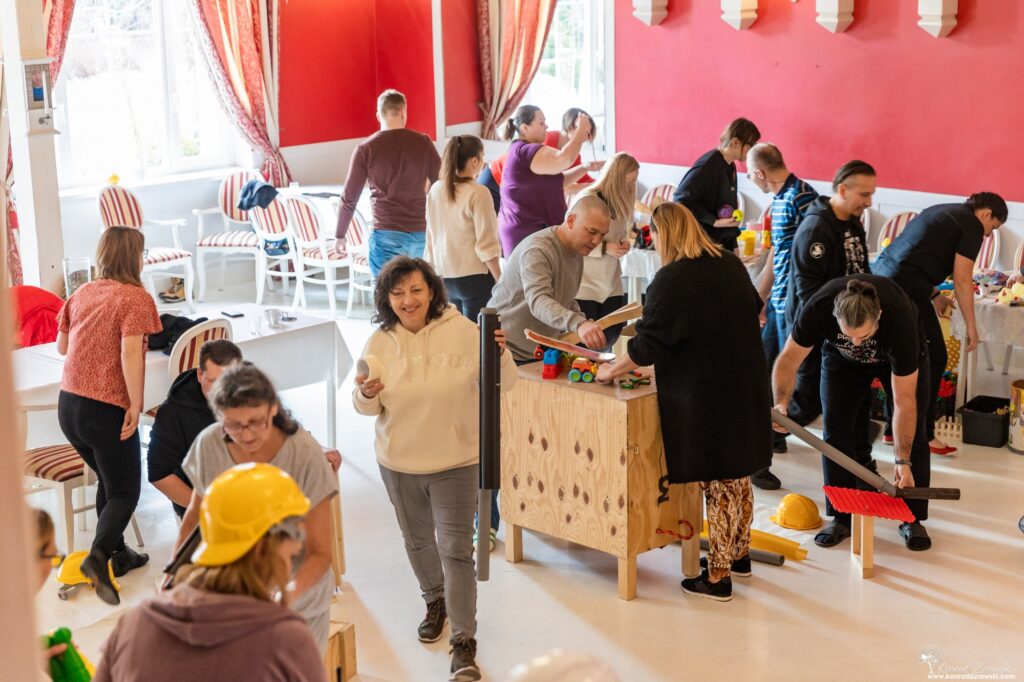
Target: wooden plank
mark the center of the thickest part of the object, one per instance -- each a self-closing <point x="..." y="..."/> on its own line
<point x="340" y="656"/>
<point x="513" y="543"/>
<point x="627" y="578"/>
<point x="337" y="540"/>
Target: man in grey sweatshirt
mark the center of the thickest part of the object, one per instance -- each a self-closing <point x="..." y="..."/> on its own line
<point x="538" y="285"/>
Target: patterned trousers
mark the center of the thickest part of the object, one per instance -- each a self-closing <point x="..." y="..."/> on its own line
<point x="730" y="511"/>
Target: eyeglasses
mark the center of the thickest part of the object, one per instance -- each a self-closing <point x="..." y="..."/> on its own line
<point x="255" y="427"/>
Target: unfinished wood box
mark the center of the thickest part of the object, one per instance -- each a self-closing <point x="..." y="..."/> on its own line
<point x="585" y="463"/>
<point x="340" y="657"/>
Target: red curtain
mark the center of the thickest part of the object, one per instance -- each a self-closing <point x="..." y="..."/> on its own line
<point x="519" y="37"/>
<point x="57" y="17"/>
<point x="240" y="41"/>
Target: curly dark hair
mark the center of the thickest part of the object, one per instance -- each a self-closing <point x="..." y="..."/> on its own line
<point x="396" y="270"/>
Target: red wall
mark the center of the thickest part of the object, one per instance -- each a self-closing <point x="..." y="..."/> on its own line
<point x="405" y="57"/>
<point x="938" y="115"/>
<point x="462" y="86"/>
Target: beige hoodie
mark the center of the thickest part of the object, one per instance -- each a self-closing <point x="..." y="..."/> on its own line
<point x="428" y="415"/>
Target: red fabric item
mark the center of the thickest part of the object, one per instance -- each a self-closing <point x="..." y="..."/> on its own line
<point x="36" y="310"/>
<point x="96" y="317"/>
<point x="498" y="167"/>
<point x="867" y="503"/>
<point x="551" y="140"/>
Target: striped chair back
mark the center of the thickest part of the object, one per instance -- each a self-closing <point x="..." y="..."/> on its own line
<point x="119" y="206"/>
<point x="357" y="233"/>
<point x="305" y="220"/>
<point x="272" y="220"/>
<point x="657" y="195"/>
<point x="986" y="259"/>
<point x="185" y="353"/>
<point x="227" y="196"/>
<point x="1018" y="258"/>
<point x="894" y="225"/>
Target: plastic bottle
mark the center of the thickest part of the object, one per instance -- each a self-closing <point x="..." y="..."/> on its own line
<point x="747" y="239"/>
<point x="68" y="666"/>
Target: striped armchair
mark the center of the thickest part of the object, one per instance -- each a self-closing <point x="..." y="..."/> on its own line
<point x="893" y="226"/>
<point x="119" y="206"/>
<point x="317" y="258"/>
<point x="657" y="195"/>
<point x="236" y="240"/>
<point x="271" y="225"/>
<point x="989" y="252"/>
<point x="360" y="279"/>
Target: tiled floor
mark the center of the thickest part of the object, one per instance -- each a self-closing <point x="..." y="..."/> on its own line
<point x="953" y="609"/>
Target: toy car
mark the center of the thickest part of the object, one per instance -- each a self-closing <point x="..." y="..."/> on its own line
<point x="582" y="370"/>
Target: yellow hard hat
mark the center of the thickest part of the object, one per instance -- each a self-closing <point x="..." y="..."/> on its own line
<point x="240" y="506"/>
<point x="797" y="512"/>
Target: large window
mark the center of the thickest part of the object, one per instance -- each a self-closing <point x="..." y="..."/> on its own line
<point x="134" y="97"/>
<point x="571" y="72"/>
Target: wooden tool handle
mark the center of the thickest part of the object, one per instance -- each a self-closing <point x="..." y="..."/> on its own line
<point x="630" y="311"/>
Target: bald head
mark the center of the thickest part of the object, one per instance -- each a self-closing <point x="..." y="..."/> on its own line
<point x="765" y="167"/>
<point x="588" y="203"/>
<point x="586" y="224"/>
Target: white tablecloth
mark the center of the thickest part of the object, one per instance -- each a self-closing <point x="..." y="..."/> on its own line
<point x="996" y="323"/>
<point x="307" y="351"/>
<point x="640" y="265"/>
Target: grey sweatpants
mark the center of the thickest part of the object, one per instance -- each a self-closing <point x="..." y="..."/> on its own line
<point x="435" y="513"/>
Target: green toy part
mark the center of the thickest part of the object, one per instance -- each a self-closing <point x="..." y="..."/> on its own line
<point x="69" y="666"/>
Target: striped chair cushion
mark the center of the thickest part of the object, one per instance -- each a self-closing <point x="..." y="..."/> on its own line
<point x="313" y="253"/>
<point x="190" y="355"/>
<point x="894" y="225"/>
<point x="272" y="219"/>
<point x="230" y="188"/>
<point x="356" y="235"/>
<point x="163" y="254"/>
<point x="118" y="206"/>
<point x="989" y="251"/>
<point x="360" y="258"/>
<point x="304" y="220"/>
<point x="234" y="239"/>
<point x="58" y="463"/>
<point x="657" y="195"/>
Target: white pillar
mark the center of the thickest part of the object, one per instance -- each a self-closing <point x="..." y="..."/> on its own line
<point x="740" y="14"/>
<point x="835" y="15"/>
<point x="437" y="36"/>
<point x="35" y="160"/>
<point x="938" y="17"/>
<point x="651" y="12"/>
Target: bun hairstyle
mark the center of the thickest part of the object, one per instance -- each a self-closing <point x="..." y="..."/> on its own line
<point x="459" y="151"/>
<point x="991" y="201"/>
<point x="858" y="304"/>
<point x="524" y="116"/>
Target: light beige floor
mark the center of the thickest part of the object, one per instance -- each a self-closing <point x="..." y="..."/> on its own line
<point x="960" y="606"/>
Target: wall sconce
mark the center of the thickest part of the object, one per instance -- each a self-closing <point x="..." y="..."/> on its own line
<point x="740" y="14"/>
<point x="835" y="15"/>
<point x="651" y="12"/>
<point x="938" y="17"/>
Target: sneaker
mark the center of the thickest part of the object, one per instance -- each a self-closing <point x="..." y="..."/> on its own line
<point x="493" y="540"/>
<point x="433" y="623"/>
<point x="702" y="586"/>
<point x="779" y="443"/>
<point x="740" y="567"/>
<point x="765" y="480"/>
<point x="463" y="664"/>
<point x="96" y="570"/>
<point x="127" y="559"/>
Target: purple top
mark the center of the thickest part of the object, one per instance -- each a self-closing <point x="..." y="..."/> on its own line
<point x="529" y="201"/>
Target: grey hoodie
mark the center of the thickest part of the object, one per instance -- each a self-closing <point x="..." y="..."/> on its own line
<point x="190" y="634"/>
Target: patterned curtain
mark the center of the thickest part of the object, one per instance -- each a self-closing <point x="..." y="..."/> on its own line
<point x="240" y="42"/>
<point x="516" y="42"/>
<point x="57" y="17"/>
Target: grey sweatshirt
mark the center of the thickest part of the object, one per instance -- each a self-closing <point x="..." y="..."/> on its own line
<point x="537" y="291"/>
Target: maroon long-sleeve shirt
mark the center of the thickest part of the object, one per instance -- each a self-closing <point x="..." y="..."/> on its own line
<point x="399" y="166"/>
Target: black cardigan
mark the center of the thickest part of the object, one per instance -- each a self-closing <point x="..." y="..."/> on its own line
<point x="708" y="186"/>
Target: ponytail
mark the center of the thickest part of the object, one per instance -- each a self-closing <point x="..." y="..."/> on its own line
<point x="459" y="151"/>
<point x="509" y="131"/>
<point x="858" y="304"/>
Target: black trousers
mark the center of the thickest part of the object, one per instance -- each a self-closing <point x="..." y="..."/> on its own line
<point x="469" y="294"/>
<point x="94" y="429"/>
<point x="937" y="357"/>
<point x="595" y="310"/>
<point x="846" y="399"/>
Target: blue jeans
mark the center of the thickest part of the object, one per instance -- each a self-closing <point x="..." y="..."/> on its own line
<point x="386" y="244"/>
<point x="805" y="403"/>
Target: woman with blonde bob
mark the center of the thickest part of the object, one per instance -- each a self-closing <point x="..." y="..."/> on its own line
<point x="228" y="617"/>
<point x="700" y="330"/>
<point x="103" y="330"/>
<point x="601" y="287"/>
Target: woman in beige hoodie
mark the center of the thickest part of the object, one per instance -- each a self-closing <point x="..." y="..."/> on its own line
<point x="422" y="386"/>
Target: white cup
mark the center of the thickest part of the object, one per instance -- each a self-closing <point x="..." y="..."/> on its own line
<point x="369" y="367"/>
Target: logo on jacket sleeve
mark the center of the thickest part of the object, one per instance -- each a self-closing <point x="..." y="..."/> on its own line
<point x="817" y="250"/>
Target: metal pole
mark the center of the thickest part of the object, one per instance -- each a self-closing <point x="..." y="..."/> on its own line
<point x="490" y="436"/>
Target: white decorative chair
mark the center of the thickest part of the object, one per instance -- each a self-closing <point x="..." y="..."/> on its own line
<point x="360" y="279"/>
<point x="120" y="207"/>
<point x="989" y="252"/>
<point x="236" y="240"/>
<point x="657" y="195"/>
<point x="894" y="226"/>
<point x="315" y="253"/>
<point x="271" y="225"/>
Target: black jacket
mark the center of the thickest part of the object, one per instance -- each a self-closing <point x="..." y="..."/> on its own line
<point x="706" y="188"/>
<point x="705" y="345"/>
<point x="178" y="421"/>
<point x="824" y="248"/>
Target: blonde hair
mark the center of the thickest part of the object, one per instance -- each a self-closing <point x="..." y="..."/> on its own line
<point x="261" y="573"/>
<point x="680" y="235"/>
<point x="612" y="186"/>
<point x="119" y="255"/>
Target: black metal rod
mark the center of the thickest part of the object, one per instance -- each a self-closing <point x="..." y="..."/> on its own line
<point x="490" y="435"/>
<point x="182" y="557"/>
<point x="759" y="555"/>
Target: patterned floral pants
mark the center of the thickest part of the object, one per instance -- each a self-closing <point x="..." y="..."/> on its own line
<point x="730" y="511"/>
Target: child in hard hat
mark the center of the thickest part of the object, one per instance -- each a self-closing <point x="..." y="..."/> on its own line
<point x="252" y="426"/>
<point x="46" y="556"/>
<point x="227" y="618"/>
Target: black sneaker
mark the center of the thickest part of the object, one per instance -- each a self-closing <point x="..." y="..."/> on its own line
<point x="779" y="443"/>
<point x="433" y="623"/>
<point x="765" y="480"/>
<point x="95" y="569"/>
<point x="702" y="586"/>
<point x="740" y="567"/>
<point x="463" y="661"/>
<point x="127" y="559"/>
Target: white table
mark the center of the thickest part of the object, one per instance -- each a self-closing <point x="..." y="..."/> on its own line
<point x="996" y="324"/>
<point x="639" y="265"/>
<point x="307" y="351"/>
